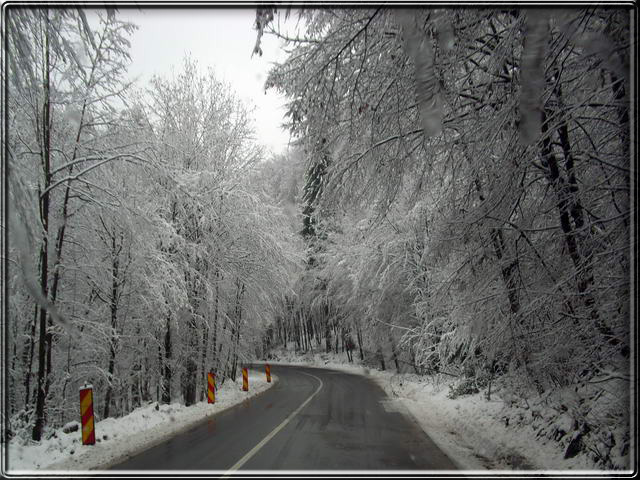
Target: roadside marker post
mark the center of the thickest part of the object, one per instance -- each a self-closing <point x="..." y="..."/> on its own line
<point x="245" y="379"/>
<point x="267" y="369"/>
<point x="211" y="393"/>
<point x="86" y="414"/>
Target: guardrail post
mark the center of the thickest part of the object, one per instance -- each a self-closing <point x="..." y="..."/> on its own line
<point x="267" y="369"/>
<point x="211" y="391"/>
<point x="245" y="379"/>
<point x="86" y="414"/>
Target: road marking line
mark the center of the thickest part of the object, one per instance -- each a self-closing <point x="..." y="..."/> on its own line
<point x="273" y="432"/>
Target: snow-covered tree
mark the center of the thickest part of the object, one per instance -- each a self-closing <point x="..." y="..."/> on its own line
<point x="484" y="153"/>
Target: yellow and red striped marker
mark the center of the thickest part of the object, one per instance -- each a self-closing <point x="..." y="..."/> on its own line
<point x="267" y="369"/>
<point x="211" y="396"/>
<point x="245" y="379"/>
<point x="86" y="414"/>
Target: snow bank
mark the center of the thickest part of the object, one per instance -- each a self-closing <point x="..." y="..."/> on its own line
<point x="119" y="438"/>
<point x="317" y="359"/>
<point x="472" y="430"/>
<point x="477" y="434"/>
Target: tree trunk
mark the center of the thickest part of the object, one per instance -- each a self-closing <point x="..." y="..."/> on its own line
<point x="146" y="374"/>
<point x="309" y="328"/>
<point x="303" y="330"/>
<point x="166" y="381"/>
<point x="239" y="329"/>
<point x="28" y="358"/>
<point x="359" y="337"/>
<point x="584" y="276"/>
<point x="159" y="383"/>
<point x="238" y="325"/>
<point x="203" y="360"/>
<point x="393" y="352"/>
<point x="235" y="339"/>
<point x="327" y="329"/>
<point x="508" y="269"/>
<point x="44" y="260"/>
<point x="189" y="383"/>
<point x="214" y="359"/>
<point x="115" y="251"/>
<point x="55" y="283"/>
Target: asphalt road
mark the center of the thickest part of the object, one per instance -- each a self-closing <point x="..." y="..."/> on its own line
<point x="312" y="419"/>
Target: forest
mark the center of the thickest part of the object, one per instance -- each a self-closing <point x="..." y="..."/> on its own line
<point x="456" y="201"/>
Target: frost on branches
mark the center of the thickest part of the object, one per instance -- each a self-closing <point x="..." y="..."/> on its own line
<point x="140" y="257"/>
<point x="473" y="219"/>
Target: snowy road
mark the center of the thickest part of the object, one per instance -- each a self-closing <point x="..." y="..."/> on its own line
<point x="312" y="419"/>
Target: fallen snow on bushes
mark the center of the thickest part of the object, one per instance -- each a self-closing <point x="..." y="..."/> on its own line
<point x="119" y="438"/>
<point x="476" y="433"/>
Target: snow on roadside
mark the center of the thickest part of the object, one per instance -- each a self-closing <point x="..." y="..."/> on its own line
<point x="120" y="438"/>
<point x="469" y="429"/>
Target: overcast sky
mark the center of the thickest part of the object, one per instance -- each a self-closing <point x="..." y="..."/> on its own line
<point x="220" y="38"/>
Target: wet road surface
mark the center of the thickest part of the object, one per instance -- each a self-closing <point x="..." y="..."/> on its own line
<point x="311" y="419"/>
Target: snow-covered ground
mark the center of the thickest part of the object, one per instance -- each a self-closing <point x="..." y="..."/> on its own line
<point x="470" y="429"/>
<point x="119" y="438"/>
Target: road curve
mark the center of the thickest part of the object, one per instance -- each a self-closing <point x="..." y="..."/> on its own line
<point x="311" y="419"/>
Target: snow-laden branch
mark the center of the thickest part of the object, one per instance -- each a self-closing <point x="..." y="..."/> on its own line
<point x="122" y="156"/>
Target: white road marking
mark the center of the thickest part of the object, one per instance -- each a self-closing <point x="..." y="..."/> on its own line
<point x="273" y="432"/>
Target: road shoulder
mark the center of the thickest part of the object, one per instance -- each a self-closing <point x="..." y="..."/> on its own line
<point x="125" y="437"/>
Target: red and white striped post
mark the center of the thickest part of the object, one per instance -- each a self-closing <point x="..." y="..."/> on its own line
<point x="267" y="369"/>
<point x="86" y="414"/>
<point x="211" y="381"/>
<point x="245" y="379"/>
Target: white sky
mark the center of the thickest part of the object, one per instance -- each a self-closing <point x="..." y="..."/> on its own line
<point x="216" y="37"/>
